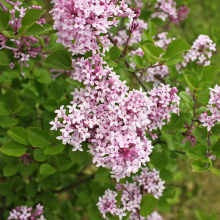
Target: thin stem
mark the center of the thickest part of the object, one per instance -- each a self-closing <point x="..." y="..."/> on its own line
<point x="74" y="184"/>
<point x="179" y="152"/>
<point x="128" y="65"/>
<point x="124" y="188"/>
<point x="126" y="45"/>
<point x="209" y="134"/>
<point x="194" y="99"/>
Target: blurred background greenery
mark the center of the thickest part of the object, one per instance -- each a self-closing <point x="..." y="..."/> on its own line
<point x="198" y="194"/>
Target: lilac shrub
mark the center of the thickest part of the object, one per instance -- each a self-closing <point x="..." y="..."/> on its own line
<point x="90" y="19"/>
<point x="107" y="101"/>
<point x="201" y="52"/>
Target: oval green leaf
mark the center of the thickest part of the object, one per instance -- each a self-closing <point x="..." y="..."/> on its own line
<point x="59" y="59"/>
<point x="47" y="169"/>
<point x="13" y="148"/>
<point x="148" y="203"/>
<point x="177" y="46"/>
<point x="19" y="134"/>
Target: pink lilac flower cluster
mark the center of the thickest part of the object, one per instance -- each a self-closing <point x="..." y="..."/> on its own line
<point x="147" y="182"/>
<point x="80" y="23"/>
<point x="167" y="9"/>
<point x="213" y="107"/>
<point x="164" y="9"/>
<point x="112" y="118"/>
<point x="25" y="213"/>
<point x="201" y="52"/>
<point x="182" y="14"/>
<point x="122" y="35"/>
<point x="26" y="158"/>
<point x="25" y="46"/>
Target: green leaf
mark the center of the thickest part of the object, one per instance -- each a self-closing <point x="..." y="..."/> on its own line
<point x="163" y="205"/>
<point x="19" y="134"/>
<point x="35" y="29"/>
<point x="65" y="165"/>
<point x="17" y="108"/>
<point x="53" y="39"/>
<point x="3" y="21"/>
<point x="31" y="189"/>
<point x="192" y="78"/>
<point x="198" y="151"/>
<point x="146" y="53"/>
<point x="177" y="46"/>
<point x="114" y="53"/>
<point x="13" y="148"/>
<point x="146" y="42"/>
<point x="31" y="16"/>
<point x="209" y="73"/>
<point x="47" y="169"/>
<point x="53" y="150"/>
<point x="169" y="193"/>
<point x="10" y="170"/>
<point x="8" y="121"/>
<point x="148" y="37"/>
<point x="84" y="197"/>
<point x="186" y="97"/>
<point x="54" y="92"/>
<point x="9" y="98"/>
<point x="111" y="217"/>
<point x="103" y="174"/>
<point x="97" y="192"/>
<point x="166" y="175"/>
<point x="39" y="155"/>
<point x="43" y="76"/>
<point x="138" y="61"/>
<point x="118" y="198"/>
<point x="26" y="170"/>
<point x="153" y="51"/>
<point x="148" y="202"/>
<point x="159" y="160"/>
<point x="3" y="109"/>
<point x="216" y="148"/>
<point x="79" y="156"/>
<point x="9" y="34"/>
<point x="3" y="59"/>
<point x="200" y="134"/>
<point x="110" y="62"/>
<point x="175" y="59"/>
<point x="38" y="137"/>
<point x="199" y="166"/>
<point x="216" y="34"/>
<point x="152" y="28"/>
<point x="50" y="104"/>
<point x="216" y="129"/>
<point x="59" y="59"/>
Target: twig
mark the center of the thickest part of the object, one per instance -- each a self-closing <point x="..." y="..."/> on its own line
<point x="194" y="100"/>
<point x="128" y="65"/>
<point x="74" y="184"/>
<point x="209" y="134"/>
<point x="179" y="152"/>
